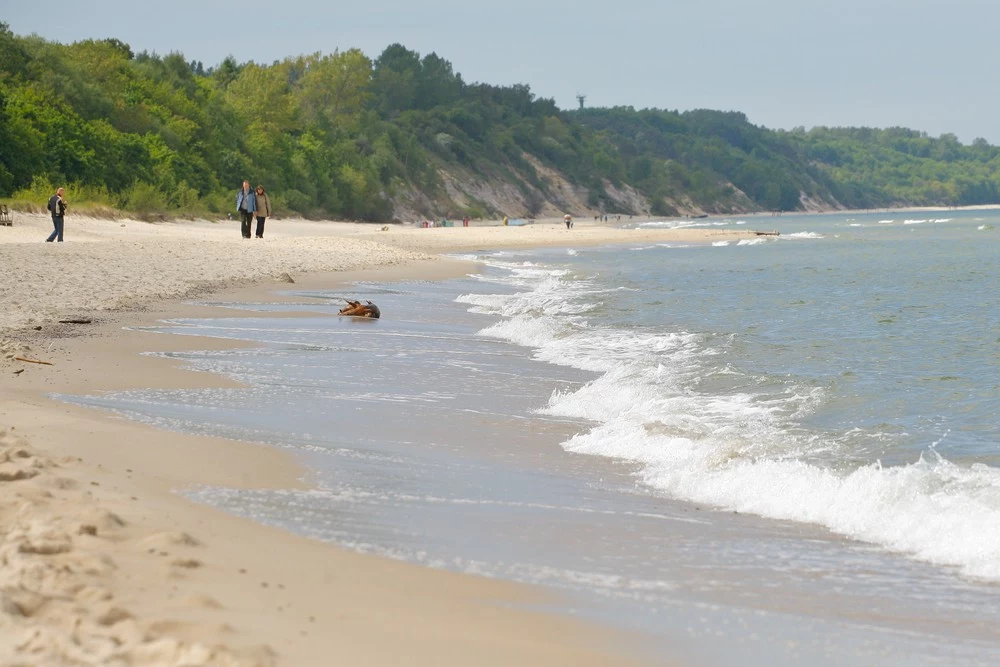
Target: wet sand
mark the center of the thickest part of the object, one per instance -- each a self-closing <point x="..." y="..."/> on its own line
<point x="107" y="563"/>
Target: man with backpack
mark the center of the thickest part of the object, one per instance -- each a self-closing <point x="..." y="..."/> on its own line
<point x="246" y="204"/>
<point x="57" y="207"/>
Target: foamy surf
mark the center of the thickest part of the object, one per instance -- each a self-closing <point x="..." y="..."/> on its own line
<point x="802" y="235"/>
<point x="739" y="449"/>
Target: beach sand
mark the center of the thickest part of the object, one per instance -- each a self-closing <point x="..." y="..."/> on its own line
<point x="106" y="564"/>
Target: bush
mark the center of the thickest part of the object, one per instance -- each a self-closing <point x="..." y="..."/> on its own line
<point x="144" y="199"/>
<point x="88" y="199"/>
<point x="661" y="207"/>
<point x="185" y="198"/>
<point x="38" y="192"/>
<point x="292" y="200"/>
<point x="476" y="212"/>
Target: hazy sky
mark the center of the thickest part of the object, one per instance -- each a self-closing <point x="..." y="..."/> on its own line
<point x="929" y="65"/>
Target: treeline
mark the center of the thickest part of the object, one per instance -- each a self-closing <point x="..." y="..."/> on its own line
<point x="707" y="155"/>
<point x="341" y="135"/>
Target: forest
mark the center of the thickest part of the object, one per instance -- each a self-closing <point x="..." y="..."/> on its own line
<point x="343" y="136"/>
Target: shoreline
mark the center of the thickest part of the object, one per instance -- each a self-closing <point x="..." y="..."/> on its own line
<point x="156" y="578"/>
<point x="114" y="215"/>
<point x="864" y="211"/>
<point x="246" y="592"/>
<point x="107" y="559"/>
<point x="114" y="266"/>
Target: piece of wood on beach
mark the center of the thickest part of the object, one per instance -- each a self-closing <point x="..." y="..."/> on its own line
<point x="77" y="320"/>
<point x="33" y="361"/>
<point x="774" y="233"/>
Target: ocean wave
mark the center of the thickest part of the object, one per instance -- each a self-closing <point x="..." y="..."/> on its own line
<point x="737" y="448"/>
<point x="802" y="235"/>
<point x="920" y="221"/>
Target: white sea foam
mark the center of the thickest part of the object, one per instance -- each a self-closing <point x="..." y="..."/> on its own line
<point x="720" y="244"/>
<point x="802" y="235"/>
<point x="737" y="449"/>
<point x="469" y="257"/>
<point x="659" y="224"/>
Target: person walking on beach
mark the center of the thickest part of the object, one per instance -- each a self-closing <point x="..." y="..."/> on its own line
<point x="57" y="206"/>
<point x="263" y="203"/>
<point x="568" y="219"/>
<point x="246" y="205"/>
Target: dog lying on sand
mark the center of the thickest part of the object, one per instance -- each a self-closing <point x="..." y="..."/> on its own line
<point x="357" y="309"/>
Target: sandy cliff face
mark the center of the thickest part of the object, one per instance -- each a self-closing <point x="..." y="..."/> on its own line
<point x="508" y="192"/>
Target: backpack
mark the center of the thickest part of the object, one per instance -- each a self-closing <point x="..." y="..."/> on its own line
<point x="51" y="204"/>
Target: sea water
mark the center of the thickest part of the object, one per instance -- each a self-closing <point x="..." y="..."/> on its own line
<point x="777" y="449"/>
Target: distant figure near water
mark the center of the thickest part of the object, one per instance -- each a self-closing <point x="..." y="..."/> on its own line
<point x="57" y="206"/>
<point x="246" y="206"/>
<point x="263" y="205"/>
<point x="568" y="219"/>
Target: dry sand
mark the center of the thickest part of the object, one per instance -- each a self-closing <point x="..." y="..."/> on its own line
<point x="103" y="563"/>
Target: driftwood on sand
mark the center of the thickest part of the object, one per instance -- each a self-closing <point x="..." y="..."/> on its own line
<point x="33" y="361"/>
<point x="358" y="309"/>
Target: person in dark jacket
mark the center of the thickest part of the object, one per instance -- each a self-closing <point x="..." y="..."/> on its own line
<point x="246" y="206"/>
<point x="263" y="209"/>
<point x="57" y="206"/>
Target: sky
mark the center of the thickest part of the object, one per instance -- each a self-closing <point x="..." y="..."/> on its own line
<point x="927" y="65"/>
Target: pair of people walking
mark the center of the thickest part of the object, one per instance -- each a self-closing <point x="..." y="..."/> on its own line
<point x="251" y="204"/>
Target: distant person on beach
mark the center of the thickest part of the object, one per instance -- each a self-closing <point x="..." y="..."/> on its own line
<point x="568" y="219"/>
<point x="246" y="206"/>
<point x="57" y="207"/>
<point x="263" y="209"/>
<point x="505" y="221"/>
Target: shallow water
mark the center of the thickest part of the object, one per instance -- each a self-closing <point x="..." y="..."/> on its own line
<point x="795" y="437"/>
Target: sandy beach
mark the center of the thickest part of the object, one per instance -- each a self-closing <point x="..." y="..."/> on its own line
<point x="106" y="564"/>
